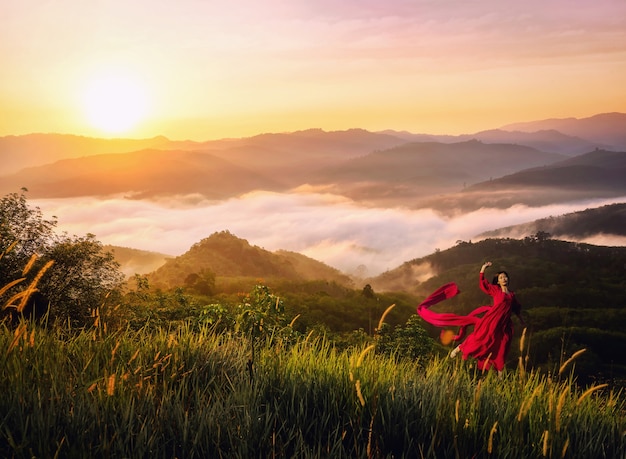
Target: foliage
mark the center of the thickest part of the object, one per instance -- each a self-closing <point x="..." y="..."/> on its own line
<point x="143" y="306"/>
<point x="202" y="283"/>
<point x="260" y="313"/>
<point x="260" y="316"/>
<point x="82" y="277"/>
<point x="23" y="233"/>
<point x="410" y="341"/>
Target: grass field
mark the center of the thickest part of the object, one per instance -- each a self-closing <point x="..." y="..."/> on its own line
<point x="185" y="393"/>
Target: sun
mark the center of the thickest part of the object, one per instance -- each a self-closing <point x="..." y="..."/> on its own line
<point x="115" y="104"/>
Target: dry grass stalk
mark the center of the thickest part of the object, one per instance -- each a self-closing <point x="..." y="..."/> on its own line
<point x="29" y="265"/>
<point x="114" y="350"/>
<point x="362" y="356"/>
<point x="369" y="438"/>
<point x="525" y="406"/>
<point x="4" y="289"/>
<point x="589" y="391"/>
<point x="8" y="249"/>
<point x="522" y="340"/>
<point x="294" y="320"/>
<point x="111" y="385"/>
<point x="486" y="364"/>
<point x="477" y="392"/>
<point x="546" y="436"/>
<point x="522" y="368"/>
<point x="17" y="334"/>
<point x="565" y="446"/>
<point x="382" y="318"/>
<point x="359" y="393"/>
<point x="559" y="408"/>
<point x="18" y="296"/>
<point x="491" y="434"/>
<point x="32" y="288"/>
<point x="571" y="359"/>
<point x="134" y="356"/>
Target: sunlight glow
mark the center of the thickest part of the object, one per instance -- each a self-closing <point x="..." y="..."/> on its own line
<point x="115" y="103"/>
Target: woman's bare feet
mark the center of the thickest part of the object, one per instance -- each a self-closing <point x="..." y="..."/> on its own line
<point x="455" y="351"/>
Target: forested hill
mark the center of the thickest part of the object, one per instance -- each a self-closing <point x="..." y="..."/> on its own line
<point x="573" y="296"/>
<point x="224" y="255"/>
<point x="549" y="272"/>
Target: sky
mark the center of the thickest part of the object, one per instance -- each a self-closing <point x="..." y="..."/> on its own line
<point x="210" y="69"/>
<point x="206" y="69"/>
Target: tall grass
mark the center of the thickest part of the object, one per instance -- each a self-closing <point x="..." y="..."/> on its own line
<point x="183" y="393"/>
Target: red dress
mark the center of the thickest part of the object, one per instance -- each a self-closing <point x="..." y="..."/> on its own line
<point x="490" y="340"/>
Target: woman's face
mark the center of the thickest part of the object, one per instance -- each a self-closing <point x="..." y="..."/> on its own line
<point x="503" y="280"/>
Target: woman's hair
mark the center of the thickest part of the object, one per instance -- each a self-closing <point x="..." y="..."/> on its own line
<point x="494" y="281"/>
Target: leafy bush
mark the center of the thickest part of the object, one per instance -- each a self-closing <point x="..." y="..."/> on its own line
<point x="79" y="275"/>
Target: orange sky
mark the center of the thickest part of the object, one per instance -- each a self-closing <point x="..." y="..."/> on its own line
<point x="203" y="70"/>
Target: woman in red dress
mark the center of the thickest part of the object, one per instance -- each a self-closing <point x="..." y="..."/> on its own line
<point x="490" y="340"/>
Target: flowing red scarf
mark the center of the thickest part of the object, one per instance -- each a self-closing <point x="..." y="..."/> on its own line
<point x="448" y="319"/>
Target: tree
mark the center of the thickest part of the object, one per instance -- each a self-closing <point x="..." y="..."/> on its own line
<point x="202" y="283"/>
<point x="260" y="315"/>
<point x="82" y="273"/>
<point x="368" y="292"/>
<point x="81" y="278"/>
<point x="23" y="233"/>
<point x="409" y="341"/>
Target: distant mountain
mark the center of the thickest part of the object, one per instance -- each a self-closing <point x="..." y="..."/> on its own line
<point x="415" y="170"/>
<point x="79" y="166"/>
<point x="228" y="256"/>
<point x="551" y="141"/>
<point x="390" y="168"/>
<point x="606" y="221"/>
<point x="295" y="157"/>
<point x="601" y="171"/>
<point x="594" y="175"/>
<point x="141" y="174"/>
<point x="18" y="152"/>
<point x="605" y="129"/>
<point x="382" y="176"/>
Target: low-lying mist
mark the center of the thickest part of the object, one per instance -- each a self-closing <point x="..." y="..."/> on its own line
<point x="326" y="227"/>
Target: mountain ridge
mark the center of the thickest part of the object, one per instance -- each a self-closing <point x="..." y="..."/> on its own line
<point x="605" y="130"/>
<point x="228" y="256"/>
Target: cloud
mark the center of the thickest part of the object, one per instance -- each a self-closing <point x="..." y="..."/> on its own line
<point x="325" y="227"/>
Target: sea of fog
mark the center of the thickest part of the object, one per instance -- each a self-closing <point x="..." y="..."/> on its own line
<point x="328" y="228"/>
